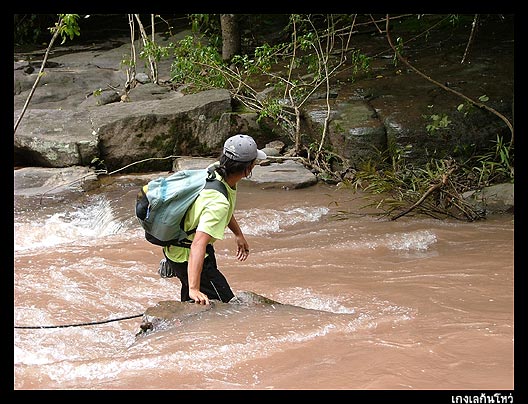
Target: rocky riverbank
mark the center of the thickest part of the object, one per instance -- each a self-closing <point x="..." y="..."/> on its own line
<point x="77" y="113"/>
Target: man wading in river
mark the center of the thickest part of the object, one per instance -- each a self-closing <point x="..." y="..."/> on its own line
<point x="210" y="214"/>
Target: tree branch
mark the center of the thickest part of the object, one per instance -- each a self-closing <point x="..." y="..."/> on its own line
<point x="41" y="72"/>
<point x="470" y="40"/>
<point x="431" y="189"/>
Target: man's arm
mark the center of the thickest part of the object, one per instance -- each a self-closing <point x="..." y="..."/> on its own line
<point x="194" y="268"/>
<point x="242" y="244"/>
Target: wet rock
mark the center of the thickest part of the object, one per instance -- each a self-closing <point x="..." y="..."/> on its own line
<point x="497" y="198"/>
<point x="288" y="174"/>
<point x="30" y="181"/>
<point x="282" y="174"/>
<point x="171" y="313"/>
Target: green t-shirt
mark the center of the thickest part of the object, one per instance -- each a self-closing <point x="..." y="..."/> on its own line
<point x="210" y="213"/>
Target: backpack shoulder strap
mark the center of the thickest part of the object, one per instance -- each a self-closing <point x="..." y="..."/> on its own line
<point x="213" y="183"/>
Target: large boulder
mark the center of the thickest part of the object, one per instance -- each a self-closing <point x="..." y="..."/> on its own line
<point x="79" y="112"/>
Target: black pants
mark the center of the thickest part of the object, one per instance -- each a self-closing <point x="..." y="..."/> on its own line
<point x="212" y="282"/>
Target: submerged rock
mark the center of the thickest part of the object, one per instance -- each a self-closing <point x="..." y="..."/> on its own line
<point x="171" y="312"/>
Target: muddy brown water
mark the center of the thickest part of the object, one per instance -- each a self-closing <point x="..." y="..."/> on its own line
<point x="364" y="303"/>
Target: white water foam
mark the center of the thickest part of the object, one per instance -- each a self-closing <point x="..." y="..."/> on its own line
<point x="94" y="220"/>
<point x="268" y="221"/>
<point x="97" y="219"/>
<point x="420" y="240"/>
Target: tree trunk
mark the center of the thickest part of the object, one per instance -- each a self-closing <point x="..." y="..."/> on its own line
<point x="230" y="36"/>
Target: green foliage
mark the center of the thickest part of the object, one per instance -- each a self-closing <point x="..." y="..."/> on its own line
<point x="494" y="166"/>
<point x="293" y="69"/>
<point x="198" y="64"/>
<point x="398" y="154"/>
<point x="437" y="122"/>
<point x="99" y="166"/>
<point x="454" y="19"/>
<point x="467" y="107"/>
<point x="126" y="62"/>
<point x="434" y="189"/>
<point x="360" y="62"/>
<point x="207" y="25"/>
<point x="154" y="51"/>
<point x="266" y="56"/>
<point x="271" y="108"/>
<point x="67" y="26"/>
<point x="399" y="50"/>
<point x="32" y="28"/>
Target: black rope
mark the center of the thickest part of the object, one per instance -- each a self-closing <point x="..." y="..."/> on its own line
<point x="77" y="325"/>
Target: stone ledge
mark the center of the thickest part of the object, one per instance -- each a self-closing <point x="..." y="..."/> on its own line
<point x="287" y="174"/>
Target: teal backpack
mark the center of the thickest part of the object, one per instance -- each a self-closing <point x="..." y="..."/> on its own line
<point x="161" y="205"/>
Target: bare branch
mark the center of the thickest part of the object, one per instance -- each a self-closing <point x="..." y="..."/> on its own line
<point x="470" y="40"/>
<point x="144" y="37"/>
<point x="39" y="75"/>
